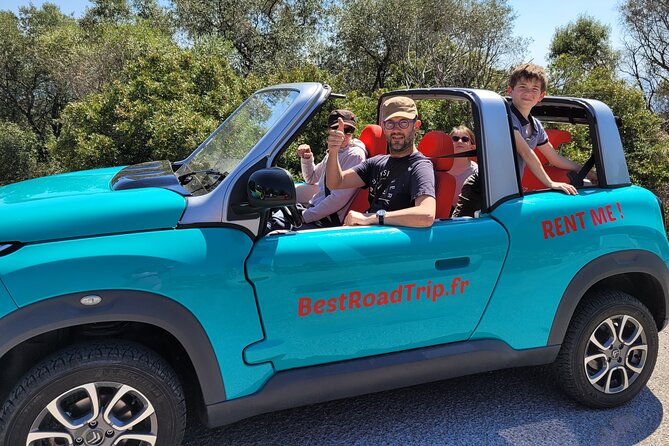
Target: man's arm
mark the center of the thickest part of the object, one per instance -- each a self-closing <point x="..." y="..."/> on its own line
<point x="557" y="160"/>
<point x="537" y="169"/>
<point x="421" y="215"/>
<point x="307" y="164"/>
<point x="336" y="178"/>
<point x="337" y="198"/>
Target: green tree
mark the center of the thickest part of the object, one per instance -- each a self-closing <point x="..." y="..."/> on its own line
<point x="647" y="50"/>
<point x="18" y="153"/>
<point x="577" y="49"/>
<point x="162" y="107"/>
<point x="586" y="40"/>
<point x="646" y="145"/>
<point x="28" y="95"/>
<point x="263" y="34"/>
<point x="120" y="12"/>
<point x="82" y="60"/>
<point x="420" y="43"/>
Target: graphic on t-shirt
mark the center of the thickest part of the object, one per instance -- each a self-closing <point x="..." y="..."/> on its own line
<point x="382" y="195"/>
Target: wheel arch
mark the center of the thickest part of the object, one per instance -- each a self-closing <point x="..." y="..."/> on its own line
<point x="639" y="273"/>
<point x="154" y="313"/>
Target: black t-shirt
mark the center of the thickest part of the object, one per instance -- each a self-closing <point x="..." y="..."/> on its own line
<point x="411" y="177"/>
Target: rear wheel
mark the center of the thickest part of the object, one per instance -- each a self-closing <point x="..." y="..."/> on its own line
<point x="97" y="394"/>
<point x="609" y="351"/>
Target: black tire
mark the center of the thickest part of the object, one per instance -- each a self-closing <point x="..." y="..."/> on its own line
<point x="601" y="382"/>
<point x="126" y="381"/>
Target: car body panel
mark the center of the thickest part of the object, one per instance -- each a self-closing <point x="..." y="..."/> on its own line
<point x="82" y="204"/>
<point x="351" y="269"/>
<point x="539" y="266"/>
<point x="66" y="184"/>
<point x="202" y="269"/>
<point x="7" y="304"/>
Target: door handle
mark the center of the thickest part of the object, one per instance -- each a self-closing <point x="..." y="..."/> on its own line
<point x="455" y="263"/>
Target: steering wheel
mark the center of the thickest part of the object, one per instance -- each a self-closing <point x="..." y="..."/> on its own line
<point x="293" y="215"/>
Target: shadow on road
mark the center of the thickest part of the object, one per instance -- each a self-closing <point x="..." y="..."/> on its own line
<point x="509" y="407"/>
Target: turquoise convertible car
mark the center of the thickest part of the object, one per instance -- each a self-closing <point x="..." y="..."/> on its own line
<point x="128" y="294"/>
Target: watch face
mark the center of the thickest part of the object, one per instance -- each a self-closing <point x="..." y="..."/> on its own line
<point x="380" y="214"/>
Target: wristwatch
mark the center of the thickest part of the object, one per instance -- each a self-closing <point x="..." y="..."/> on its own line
<point x="380" y="214"/>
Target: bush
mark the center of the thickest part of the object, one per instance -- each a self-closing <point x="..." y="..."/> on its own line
<point x="18" y="153"/>
<point x="163" y="106"/>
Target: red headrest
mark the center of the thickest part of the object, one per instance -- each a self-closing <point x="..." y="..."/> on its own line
<point x="435" y="144"/>
<point x="558" y="137"/>
<point x="373" y="138"/>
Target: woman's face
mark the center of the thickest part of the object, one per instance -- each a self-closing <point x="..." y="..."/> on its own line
<point x="461" y="141"/>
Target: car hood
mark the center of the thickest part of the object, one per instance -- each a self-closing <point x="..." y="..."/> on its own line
<point x="81" y="204"/>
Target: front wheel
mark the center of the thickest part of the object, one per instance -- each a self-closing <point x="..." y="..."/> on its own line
<point x="609" y="351"/>
<point x="96" y="394"/>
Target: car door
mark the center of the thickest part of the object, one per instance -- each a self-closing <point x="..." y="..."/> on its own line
<point x="335" y="294"/>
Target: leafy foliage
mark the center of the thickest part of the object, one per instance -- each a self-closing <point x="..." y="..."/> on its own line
<point x="646" y="145"/>
<point x="163" y="106"/>
<point x="18" y="153"/>
<point x="28" y="95"/>
<point x="647" y="50"/>
<point x="132" y="80"/>
<point x="264" y="34"/>
<point x="587" y="41"/>
<point x="420" y="43"/>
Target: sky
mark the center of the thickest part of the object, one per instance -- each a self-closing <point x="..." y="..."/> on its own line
<point x="536" y="19"/>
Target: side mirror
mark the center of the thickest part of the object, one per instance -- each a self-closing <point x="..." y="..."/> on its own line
<point x="272" y="187"/>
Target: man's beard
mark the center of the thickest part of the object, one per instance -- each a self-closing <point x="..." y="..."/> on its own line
<point x="399" y="147"/>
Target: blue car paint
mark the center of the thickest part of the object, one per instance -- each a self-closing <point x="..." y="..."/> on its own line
<point x="7" y="304"/>
<point x="203" y="269"/>
<point x="65" y="184"/>
<point x="82" y="204"/>
<point x="539" y="267"/>
<point x="324" y="264"/>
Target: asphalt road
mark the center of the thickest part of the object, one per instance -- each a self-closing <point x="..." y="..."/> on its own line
<point x="509" y="407"/>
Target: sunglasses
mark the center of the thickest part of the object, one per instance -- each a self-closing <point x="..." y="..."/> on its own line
<point x="403" y="124"/>
<point x="456" y="138"/>
<point x="347" y="130"/>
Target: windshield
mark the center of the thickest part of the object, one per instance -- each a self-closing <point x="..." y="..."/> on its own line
<point x="230" y="143"/>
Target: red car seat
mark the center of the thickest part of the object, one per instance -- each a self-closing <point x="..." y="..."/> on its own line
<point x="375" y="141"/>
<point x="530" y="182"/>
<point x="436" y="144"/>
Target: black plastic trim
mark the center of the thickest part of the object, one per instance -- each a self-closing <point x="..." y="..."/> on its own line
<point x="13" y="247"/>
<point x="120" y="305"/>
<point x="149" y="174"/>
<point x="315" y="384"/>
<point x="628" y="261"/>
<point x="198" y="225"/>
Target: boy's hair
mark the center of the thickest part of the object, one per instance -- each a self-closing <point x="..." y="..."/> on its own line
<point x="467" y="130"/>
<point x="528" y="71"/>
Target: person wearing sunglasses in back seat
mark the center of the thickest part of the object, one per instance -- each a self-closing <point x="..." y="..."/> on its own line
<point x="463" y="141"/>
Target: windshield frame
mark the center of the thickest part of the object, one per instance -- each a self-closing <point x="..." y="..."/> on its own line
<point x="225" y="148"/>
<point x="214" y="207"/>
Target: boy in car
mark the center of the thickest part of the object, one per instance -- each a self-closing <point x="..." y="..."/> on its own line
<point x="527" y="87"/>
